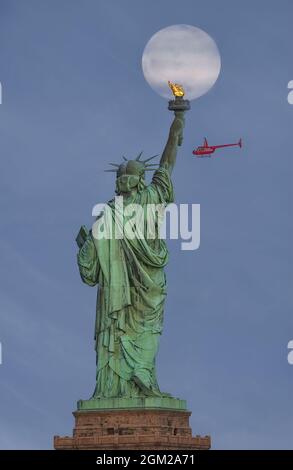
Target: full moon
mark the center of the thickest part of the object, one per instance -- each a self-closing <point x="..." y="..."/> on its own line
<point x="183" y="54"/>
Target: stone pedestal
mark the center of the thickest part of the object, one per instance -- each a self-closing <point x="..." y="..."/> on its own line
<point x="132" y="429"/>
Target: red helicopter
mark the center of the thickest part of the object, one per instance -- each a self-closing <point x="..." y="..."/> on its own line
<point x="206" y="150"/>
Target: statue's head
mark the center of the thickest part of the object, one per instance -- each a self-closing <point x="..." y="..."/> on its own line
<point x="130" y="174"/>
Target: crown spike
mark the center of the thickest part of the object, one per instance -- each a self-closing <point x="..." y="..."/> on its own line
<point x="150" y="158"/>
<point x="114" y="164"/>
<point x="124" y="158"/>
<point x="111" y="171"/>
<point x="138" y="156"/>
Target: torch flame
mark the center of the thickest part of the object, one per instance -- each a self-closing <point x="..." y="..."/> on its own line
<point x="177" y="89"/>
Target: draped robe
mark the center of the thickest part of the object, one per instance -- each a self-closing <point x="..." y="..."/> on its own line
<point x="130" y="303"/>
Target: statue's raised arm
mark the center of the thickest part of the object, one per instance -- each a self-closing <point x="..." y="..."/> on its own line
<point x="175" y="138"/>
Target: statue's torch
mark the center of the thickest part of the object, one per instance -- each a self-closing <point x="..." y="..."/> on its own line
<point x="179" y="104"/>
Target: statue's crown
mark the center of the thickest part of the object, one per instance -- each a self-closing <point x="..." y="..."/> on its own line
<point x="133" y="167"/>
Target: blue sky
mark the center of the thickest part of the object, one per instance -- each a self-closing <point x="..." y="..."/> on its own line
<point x="74" y="98"/>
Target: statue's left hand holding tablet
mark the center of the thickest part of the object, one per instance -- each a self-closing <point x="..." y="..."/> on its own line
<point x="82" y="236"/>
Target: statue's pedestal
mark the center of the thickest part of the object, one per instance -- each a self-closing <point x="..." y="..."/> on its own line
<point x="132" y="429"/>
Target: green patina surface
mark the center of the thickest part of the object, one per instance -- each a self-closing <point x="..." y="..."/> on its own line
<point x="132" y="292"/>
<point x="131" y="403"/>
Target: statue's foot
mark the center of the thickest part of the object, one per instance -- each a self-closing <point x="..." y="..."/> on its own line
<point x="166" y="395"/>
<point x="149" y="392"/>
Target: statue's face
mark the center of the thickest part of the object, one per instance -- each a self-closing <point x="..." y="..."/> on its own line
<point x="126" y="183"/>
<point x="129" y="176"/>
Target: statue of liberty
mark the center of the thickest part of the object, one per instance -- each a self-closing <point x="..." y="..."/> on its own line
<point x="131" y="281"/>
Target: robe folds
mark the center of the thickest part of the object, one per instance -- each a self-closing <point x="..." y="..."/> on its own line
<point x="131" y="295"/>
